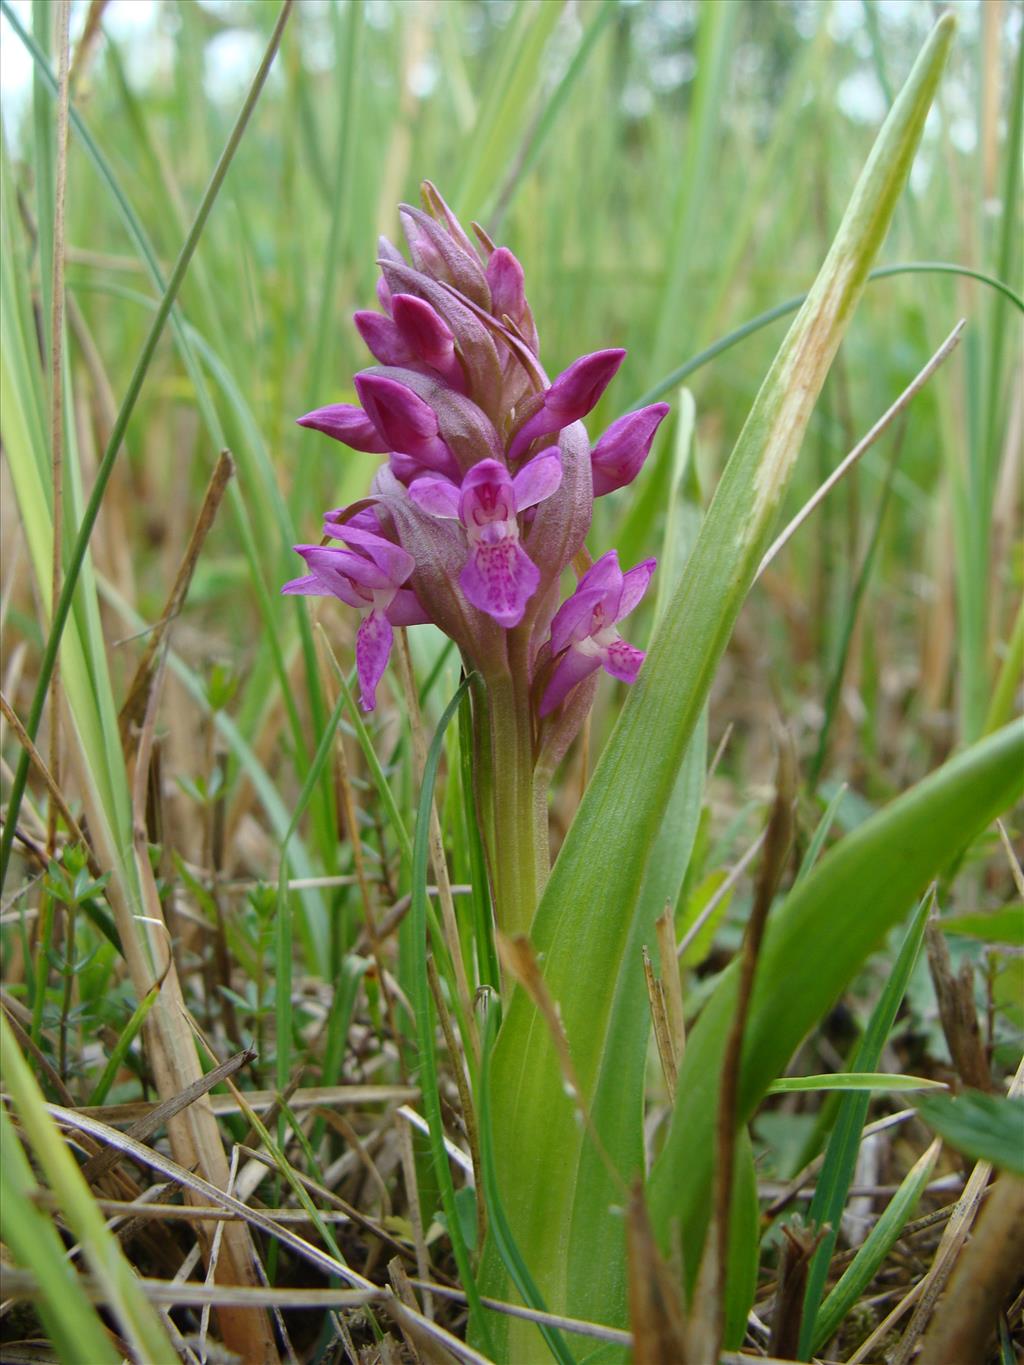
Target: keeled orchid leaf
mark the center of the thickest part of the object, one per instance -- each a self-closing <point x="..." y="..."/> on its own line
<point x="585" y="926"/>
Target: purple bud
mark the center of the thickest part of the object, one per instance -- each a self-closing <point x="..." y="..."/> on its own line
<point x="435" y="252"/>
<point x="570" y="397"/>
<point x="426" y="336"/>
<point x="383" y="338"/>
<point x="619" y="455"/>
<point x="505" y="277"/>
<point x="348" y="424"/>
<point x="435" y="203"/>
<point x="406" y="423"/>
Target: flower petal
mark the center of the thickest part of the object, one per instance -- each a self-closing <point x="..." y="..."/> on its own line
<point x="487" y="495"/>
<point x="573" y="618"/>
<point x="538" y="479"/>
<point x="500" y="578"/>
<point x="439" y="497"/>
<point x="406" y="609"/>
<point x="619" y="455"/>
<point x="622" y="660"/>
<point x="571" y="396"/>
<point x="373" y="649"/>
<point x="383" y="338"/>
<point x="348" y="424"/>
<point x="570" y="670"/>
<point x="634" y="585"/>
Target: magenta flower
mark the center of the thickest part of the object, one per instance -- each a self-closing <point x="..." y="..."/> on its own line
<point x="499" y="577"/>
<point x="467" y="525"/>
<point x="370" y="575"/>
<point x="619" y="455"/>
<point x="583" y="634"/>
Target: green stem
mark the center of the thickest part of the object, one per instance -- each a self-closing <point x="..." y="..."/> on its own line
<point x="518" y="836"/>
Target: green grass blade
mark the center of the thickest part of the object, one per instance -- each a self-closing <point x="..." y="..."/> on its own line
<point x="71" y="1322"/>
<point x="423" y="1008"/>
<point x="137" y="1319"/>
<point x="883" y="1081"/>
<point x="127" y="1036"/>
<point x="812" y="948"/>
<point x="877" y="1245"/>
<point x="844" y="1141"/>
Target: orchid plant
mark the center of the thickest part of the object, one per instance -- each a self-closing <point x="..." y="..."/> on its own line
<point x="472" y="522"/>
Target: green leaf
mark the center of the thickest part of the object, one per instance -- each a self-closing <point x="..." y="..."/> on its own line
<point x="998" y="926"/>
<point x="586" y="928"/>
<point x="877" y="1245"/>
<point x="985" y="1127"/>
<point x="813" y="946"/>
<point x="847" y="1080"/>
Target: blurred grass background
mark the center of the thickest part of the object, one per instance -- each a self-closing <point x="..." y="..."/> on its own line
<point x="665" y="172"/>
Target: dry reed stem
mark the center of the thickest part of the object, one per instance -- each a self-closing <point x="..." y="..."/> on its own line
<point x="952" y="1244"/>
<point x="660" y="1025"/>
<point x="671" y="983"/>
<point x="195" y="1137"/>
<point x="657" y="1313"/>
<point x="984" y="1278"/>
<point x="56" y="795"/>
<point x="412" y="1193"/>
<point x="138" y="690"/>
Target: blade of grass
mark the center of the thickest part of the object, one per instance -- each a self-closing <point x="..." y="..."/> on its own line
<point x="71" y="1322"/>
<point x="423" y="1008"/>
<point x="876" y="1247"/>
<point x="138" y="1321"/>
<point x="114" y="443"/>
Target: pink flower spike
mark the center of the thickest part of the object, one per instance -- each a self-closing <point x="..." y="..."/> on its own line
<point x="348" y="424"/>
<point x="619" y="455"/>
<point x="570" y="397"/>
<point x="583" y="634"/>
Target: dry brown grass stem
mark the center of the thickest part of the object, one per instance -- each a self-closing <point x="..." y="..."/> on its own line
<point x="950" y="1248"/>
<point x="671" y="984"/>
<point x="63" y="16"/>
<point x="139" y="688"/>
<point x="983" y="1281"/>
<point x="578" y="1326"/>
<point x="57" y="801"/>
<point x="660" y="1024"/>
<point x="412" y="1191"/>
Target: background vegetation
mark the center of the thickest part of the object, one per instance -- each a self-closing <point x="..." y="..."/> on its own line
<point x="666" y="172"/>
